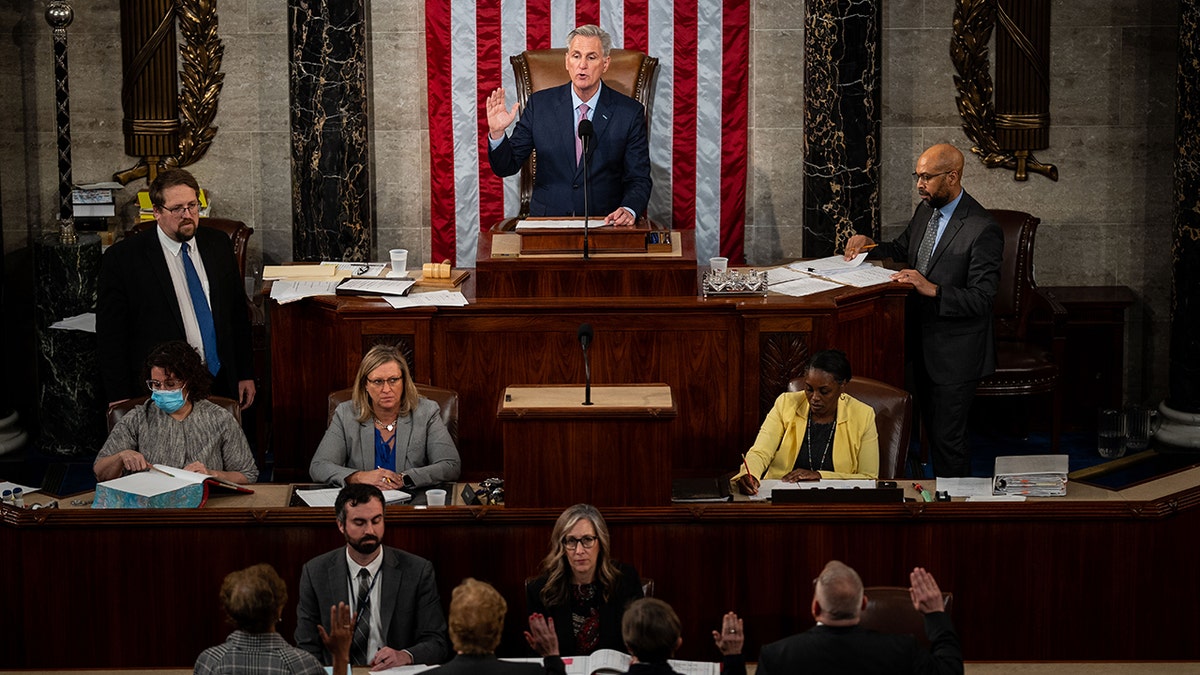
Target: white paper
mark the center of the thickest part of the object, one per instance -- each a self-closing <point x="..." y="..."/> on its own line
<point x="441" y="298"/>
<point x="273" y="272"/>
<point x="381" y="286"/>
<point x="152" y="483"/>
<point x="833" y="263"/>
<point x="402" y="670"/>
<point x="965" y="487"/>
<point x="804" y="286"/>
<point x="867" y="275"/>
<point x="996" y="498"/>
<point x="328" y="496"/>
<point x="85" y="322"/>
<point x="104" y="185"/>
<point x="554" y="224"/>
<point x="778" y="275"/>
<point x="5" y="485"/>
<point x="356" y="269"/>
<point x="284" y="292"/>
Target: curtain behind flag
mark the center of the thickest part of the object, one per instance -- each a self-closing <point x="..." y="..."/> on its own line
<point x="698" y="124"/>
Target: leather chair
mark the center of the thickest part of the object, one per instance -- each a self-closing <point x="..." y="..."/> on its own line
<point x="447" y="400"/>
<point x="1024" y="368"/>
<point x="118" y="410"/>
<point x="630" y="72"/>
<point x="237" y="231"/>
<point x="890" y="610"/>
<point x="893" y="417"/>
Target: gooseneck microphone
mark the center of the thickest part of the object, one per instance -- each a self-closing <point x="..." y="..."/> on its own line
<point x="585" y="339"/>
<point x="585" y="137"/>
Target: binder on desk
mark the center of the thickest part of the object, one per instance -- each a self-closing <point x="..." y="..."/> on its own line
<point x="374" y="286"/>
<point x="698" y="490"/>
<point x="1031" y="475"/>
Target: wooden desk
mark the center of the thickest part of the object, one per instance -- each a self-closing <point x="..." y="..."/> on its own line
<point x="559" y="452"/>
<point x="725" y="360"/>
<point x="1094" y="576"/>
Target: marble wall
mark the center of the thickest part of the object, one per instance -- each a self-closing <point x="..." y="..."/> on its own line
<point x="1107" y="220"/>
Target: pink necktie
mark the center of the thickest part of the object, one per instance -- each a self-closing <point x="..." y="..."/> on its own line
<point x="583" y="111"/>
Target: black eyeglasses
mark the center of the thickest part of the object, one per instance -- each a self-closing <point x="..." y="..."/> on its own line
<point x="926" y="177"/>
<point x="572" y="543"/>
<point x="180" y="210"/>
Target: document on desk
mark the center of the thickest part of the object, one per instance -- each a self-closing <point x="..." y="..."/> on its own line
<point x="556" y="223"/>
<point x="965" y="487"/>
<point x="328" y="496"/>
<point x="769" y="485"/>
<point x="410" y="670"/>
<point x="5" y="485"/>
<point x="366" y="286"/>
<point x="833" y="263"/>
<point x="861" y="277"/>
<point x="442" y="298"/>
<point x="806" y="285"/>
<point x="284" y="292"/>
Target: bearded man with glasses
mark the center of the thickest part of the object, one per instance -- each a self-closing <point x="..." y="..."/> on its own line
<point x="178" y="281"/>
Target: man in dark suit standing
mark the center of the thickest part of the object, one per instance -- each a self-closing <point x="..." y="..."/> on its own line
<point x="177" y="281"/>
<point x="837" y="644"/>
<point x="618" y="158"/>
<point x="393" y="594"/>
<point x="953" y="249"/>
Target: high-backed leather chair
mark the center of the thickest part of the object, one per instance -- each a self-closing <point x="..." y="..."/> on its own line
<point x="237" y="231"/>
<point x="1024" y="368"/>
<point x="118" y="410"/>
<point x="893" y="417"/>
<point x="447" y="400"/>
<point x="890" y="610"/>
<point x="630" y="72"/>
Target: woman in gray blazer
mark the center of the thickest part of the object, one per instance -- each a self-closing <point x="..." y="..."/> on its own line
<point x="386" y="435"/>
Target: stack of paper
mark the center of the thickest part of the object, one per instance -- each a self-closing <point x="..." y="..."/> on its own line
<point x="1031" y="475"/>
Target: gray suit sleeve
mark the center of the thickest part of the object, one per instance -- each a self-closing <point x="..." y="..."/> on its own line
<point x="432" y="644"/>
<point x="308" y="617"/>
<point x="442" y="464"/>
<point x="331" y="462"/>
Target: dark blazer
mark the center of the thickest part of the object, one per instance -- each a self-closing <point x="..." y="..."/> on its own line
<point x="953" y="331"/>
<point x="425" y="452"/>
<point x="619" y="155"/>
<point x="468" y="664"/>
<point x="628" y="588"/>
<point x="852" y="650"/>
<point x="137" y="310"/>
<point x="410" y="609"/>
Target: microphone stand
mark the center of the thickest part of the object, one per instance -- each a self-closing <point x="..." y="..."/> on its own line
<point x="585" y="136"/>
<point x="587" y="370"/>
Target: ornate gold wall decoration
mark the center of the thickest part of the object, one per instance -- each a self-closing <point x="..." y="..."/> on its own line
<point x="1005" y="131"/>
<point x="167" y="125"/>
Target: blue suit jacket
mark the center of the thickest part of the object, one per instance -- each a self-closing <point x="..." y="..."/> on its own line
<point x="619" y="156"/>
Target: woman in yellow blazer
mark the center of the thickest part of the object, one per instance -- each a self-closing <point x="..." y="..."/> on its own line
<point x="822" y="432"/>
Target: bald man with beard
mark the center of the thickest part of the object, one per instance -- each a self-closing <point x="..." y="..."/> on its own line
<point x="838" y="644"/>
<point x="952" y="249"/>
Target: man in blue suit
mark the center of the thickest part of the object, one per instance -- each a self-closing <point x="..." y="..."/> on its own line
<point x="618" y="159"/>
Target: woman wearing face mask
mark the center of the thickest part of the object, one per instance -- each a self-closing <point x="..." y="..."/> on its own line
<point x="177" y="426"/>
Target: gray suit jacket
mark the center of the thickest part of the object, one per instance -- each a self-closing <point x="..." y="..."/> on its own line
<point x="953" y="333"/>
<point x="424" y="451"/>
<point x="410" y="609"/>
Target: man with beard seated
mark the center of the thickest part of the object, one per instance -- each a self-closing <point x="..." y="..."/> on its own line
<point x="384" y="586"/>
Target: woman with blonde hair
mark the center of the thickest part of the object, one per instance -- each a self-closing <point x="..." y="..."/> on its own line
<point x="386" y="435"/>
<point x="582" y="592"/>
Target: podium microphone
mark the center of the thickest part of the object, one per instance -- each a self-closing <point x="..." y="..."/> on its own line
<point x="585" y="339"/>
<point x="585" y="136"/>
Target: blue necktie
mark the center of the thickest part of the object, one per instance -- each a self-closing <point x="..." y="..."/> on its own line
<point x="204" y="317"/>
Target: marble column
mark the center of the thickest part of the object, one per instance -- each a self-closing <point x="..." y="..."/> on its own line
<point x="332" y="217"/>
<point x="842" y="48"/>
<point x="1180" y="413"/>
<point x="69" y="401"/>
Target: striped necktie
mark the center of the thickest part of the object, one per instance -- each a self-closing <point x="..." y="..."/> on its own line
<point x="362" y="626"/>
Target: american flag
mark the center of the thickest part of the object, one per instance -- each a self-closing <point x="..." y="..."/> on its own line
<point x="698" y="123"/>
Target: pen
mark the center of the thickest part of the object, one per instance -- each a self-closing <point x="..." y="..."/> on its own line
<point x="924" y="493"/>
<point x="868" y="247"/>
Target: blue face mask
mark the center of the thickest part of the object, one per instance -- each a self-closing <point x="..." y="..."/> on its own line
<point x="168" y="400"/>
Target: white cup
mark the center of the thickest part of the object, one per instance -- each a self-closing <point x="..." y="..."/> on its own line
<point x="718" y="264"/>
<point x="435" y="497"/>
<point x="399" y="259"/>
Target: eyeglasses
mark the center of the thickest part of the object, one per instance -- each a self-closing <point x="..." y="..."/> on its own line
<point x="170" y="385"/>
<point x="926" y="177"/>
<point x="391" y="382"/>
<point x="193" y="208"/>
<point x="572" y="543"/>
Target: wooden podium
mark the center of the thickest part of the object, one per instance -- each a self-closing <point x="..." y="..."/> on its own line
<point x="559" y="452"/>
<point x="507" y="265"/>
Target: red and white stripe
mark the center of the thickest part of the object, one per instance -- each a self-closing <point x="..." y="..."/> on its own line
<point x="698" y="124"/>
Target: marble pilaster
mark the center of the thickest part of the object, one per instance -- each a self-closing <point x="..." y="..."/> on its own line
<point x="842" y="67"/>
<point x="332" y="217"/>
<point x="69" y="401"/>
<point x="1181" y="410"/>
